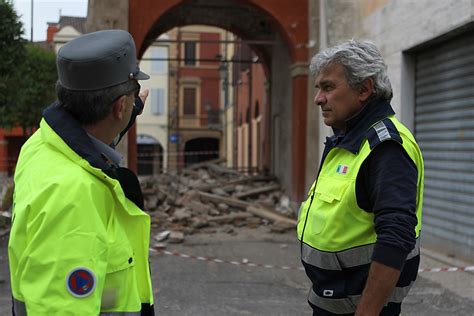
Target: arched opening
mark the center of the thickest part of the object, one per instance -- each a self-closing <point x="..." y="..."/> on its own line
<point x="200" y="149"/>
<point x="277" y="33"/>
<point x="149" y="154"/>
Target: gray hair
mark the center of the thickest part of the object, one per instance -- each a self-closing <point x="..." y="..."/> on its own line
<point x="361" y="60"/>
<point x="90" y="107"/>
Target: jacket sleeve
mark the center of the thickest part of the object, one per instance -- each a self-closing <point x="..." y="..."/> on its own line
<point x="63" y="270"/>
<point x="387" y="186"/>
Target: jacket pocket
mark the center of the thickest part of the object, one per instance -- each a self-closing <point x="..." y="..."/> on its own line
<point x="328" y="193"/>
<point x="120" y="257"/>
<point x="331" y="190"/>
<point x="120" y="281"/>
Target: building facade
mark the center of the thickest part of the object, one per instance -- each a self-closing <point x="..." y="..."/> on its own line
<point x="251" y="97"/>
<point x="196" y="102"/>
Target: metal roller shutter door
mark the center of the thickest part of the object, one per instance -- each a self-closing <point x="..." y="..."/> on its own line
<point x="444" y="128"/>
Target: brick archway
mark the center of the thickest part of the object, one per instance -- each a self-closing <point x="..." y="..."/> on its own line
<point x="255" y="20"/>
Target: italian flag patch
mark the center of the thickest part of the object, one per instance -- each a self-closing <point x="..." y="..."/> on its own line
<point x="341" y="169"/>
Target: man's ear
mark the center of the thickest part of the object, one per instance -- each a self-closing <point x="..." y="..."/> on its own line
<point x="118" y="107"/>
<point x="366" y="90"/>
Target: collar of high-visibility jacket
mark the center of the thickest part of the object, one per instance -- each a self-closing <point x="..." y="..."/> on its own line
<point x="359" y="124"/>
<point x="71" y="132"/>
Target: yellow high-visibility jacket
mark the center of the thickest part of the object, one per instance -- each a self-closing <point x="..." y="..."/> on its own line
<point x="78" y="245"/>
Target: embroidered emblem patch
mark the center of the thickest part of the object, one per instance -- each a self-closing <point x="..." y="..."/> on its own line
<point x="81" y="282"/>
<point x="342" y="169"/>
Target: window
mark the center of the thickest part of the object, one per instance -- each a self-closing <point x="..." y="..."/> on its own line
<point x="158" y="101"/>
<point x="159" y="66"/>
<point x="189" y="106"/>
<point x="190" y="53"/>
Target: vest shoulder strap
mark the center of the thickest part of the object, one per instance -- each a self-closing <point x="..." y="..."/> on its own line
<point x="383" y="131"/>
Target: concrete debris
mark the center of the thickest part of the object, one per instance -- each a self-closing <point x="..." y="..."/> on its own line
<point x="159" y="246"/>
<point x="257" y="191"/>
<point x="199" y="222"/>
<point x="182" y="214"/>
<point x="176" y="237"/>
<point x="219" y="191"/>
<point x="162" y="236"/>
<point x="208" y="197"/>
<point x="223" y="207"/>
<point x="227" y="229"/>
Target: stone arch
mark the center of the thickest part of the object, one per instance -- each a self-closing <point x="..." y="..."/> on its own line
<point x="278" y="33"/>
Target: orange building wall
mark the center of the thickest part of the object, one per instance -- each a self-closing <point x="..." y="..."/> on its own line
<point x="209" y="50"/>
<point x="207" y="72"/>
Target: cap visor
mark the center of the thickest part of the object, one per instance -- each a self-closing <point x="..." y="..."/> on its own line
<point x="141" y="76"/>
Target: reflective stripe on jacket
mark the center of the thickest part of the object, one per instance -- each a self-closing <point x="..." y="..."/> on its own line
<point x="70" y="215"/>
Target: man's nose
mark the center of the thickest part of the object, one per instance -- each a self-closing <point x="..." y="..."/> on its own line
<point x="319" y="98"/>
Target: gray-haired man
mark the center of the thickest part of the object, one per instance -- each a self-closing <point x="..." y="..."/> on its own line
<point x="359" y="227"/>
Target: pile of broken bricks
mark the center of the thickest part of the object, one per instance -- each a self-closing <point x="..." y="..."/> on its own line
<point x="210" y="198"/>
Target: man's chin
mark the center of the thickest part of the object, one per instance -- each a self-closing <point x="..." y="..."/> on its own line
<point x="327" y="122"/>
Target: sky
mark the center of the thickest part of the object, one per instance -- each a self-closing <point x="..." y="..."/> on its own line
<point x="45" y="11"/>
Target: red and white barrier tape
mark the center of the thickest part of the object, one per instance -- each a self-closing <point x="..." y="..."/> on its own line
<point x="178" y="153"/>
<point x="245" y="262"/>
<point x="448" y="269"/>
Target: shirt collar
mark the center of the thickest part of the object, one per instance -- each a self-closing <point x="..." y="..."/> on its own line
<point x="359" y="124"/>
<point x="108" y="152"/>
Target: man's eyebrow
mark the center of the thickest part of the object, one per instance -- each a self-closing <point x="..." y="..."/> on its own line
<point x="323" y="83"/>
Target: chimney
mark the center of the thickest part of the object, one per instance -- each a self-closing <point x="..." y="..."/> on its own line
<point x="52" y="29"/>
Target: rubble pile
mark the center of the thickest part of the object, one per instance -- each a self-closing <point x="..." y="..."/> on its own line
<point x="210" y="198"/>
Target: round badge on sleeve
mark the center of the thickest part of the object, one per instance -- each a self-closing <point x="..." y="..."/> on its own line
<point x="81" y="282"/>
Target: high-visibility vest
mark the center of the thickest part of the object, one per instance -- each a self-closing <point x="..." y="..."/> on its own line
<point x="335" y="233"/>
<point x="78" y="245"/>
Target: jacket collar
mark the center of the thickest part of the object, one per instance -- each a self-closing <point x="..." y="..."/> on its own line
<point x="358" y="125"/>
<point x="72" y="133"/>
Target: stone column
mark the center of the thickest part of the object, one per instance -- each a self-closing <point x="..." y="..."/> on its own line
<point x="299" y="75"/>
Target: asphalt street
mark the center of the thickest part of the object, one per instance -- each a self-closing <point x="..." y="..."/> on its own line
<point x="196" y="286"/>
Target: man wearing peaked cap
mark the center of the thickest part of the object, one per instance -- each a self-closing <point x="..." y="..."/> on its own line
<point x="79" y="240"/>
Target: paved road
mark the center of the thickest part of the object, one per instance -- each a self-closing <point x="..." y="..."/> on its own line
<point x="185" y="286"/>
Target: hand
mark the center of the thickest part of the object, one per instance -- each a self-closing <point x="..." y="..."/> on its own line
<point x="143" y="96"/>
